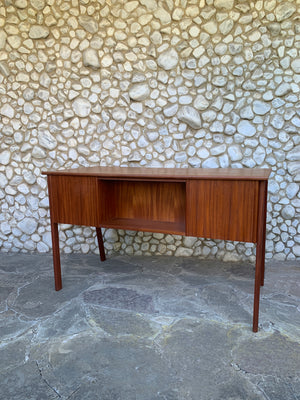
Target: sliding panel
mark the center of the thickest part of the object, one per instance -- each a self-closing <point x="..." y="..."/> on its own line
<point x="74" y="200"/>
<point x="222" y="209"/>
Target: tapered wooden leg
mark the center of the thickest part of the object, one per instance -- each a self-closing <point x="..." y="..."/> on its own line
<point x="260" y="251"/>
<point x="56" y="256"/>
<point x="100" y="243"/>
<point x="262" y="275"/>
<point x="257" y="284"/>
<point x="265" y="189"/>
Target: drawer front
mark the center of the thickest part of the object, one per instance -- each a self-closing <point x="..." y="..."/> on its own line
<point x="222" y="209"/>
<point x="73" y="200"/>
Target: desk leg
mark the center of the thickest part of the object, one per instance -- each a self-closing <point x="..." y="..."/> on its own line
<point x="262" y="276"/>
<point x="265" y="190"/>
<point x="260" y="251"/>
<point x="257" y="284"/>
<point x="100" y="243"/>
<point x="56" y="256"/>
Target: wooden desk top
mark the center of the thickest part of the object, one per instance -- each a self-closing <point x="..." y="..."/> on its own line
<point x="261" y="174"/>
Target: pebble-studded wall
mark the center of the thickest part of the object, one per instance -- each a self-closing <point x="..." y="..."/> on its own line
<point x="173" y="83"/>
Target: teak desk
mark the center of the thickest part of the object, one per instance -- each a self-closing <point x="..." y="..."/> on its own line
<point x="227" y="204"/>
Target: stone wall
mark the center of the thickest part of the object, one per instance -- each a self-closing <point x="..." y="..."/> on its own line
<point x="174" y="83"/>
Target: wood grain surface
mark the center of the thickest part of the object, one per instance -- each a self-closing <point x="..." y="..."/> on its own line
<point x="219" y="209"/>
<point x="74" y="200"/>
<point x="147" y="206"/>
<point x="169" y="173"/>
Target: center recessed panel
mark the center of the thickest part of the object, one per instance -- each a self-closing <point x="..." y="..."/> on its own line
<point x="143" y="205"/>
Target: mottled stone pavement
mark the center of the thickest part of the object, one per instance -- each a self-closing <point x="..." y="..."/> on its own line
<point x="147" y="328"/>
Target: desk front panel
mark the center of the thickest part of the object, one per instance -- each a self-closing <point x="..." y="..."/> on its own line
<point x="74" y="200"/>
<point x="222" y="209"/>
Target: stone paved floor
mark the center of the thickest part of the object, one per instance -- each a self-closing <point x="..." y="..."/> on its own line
<point x="147" y="328"/>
